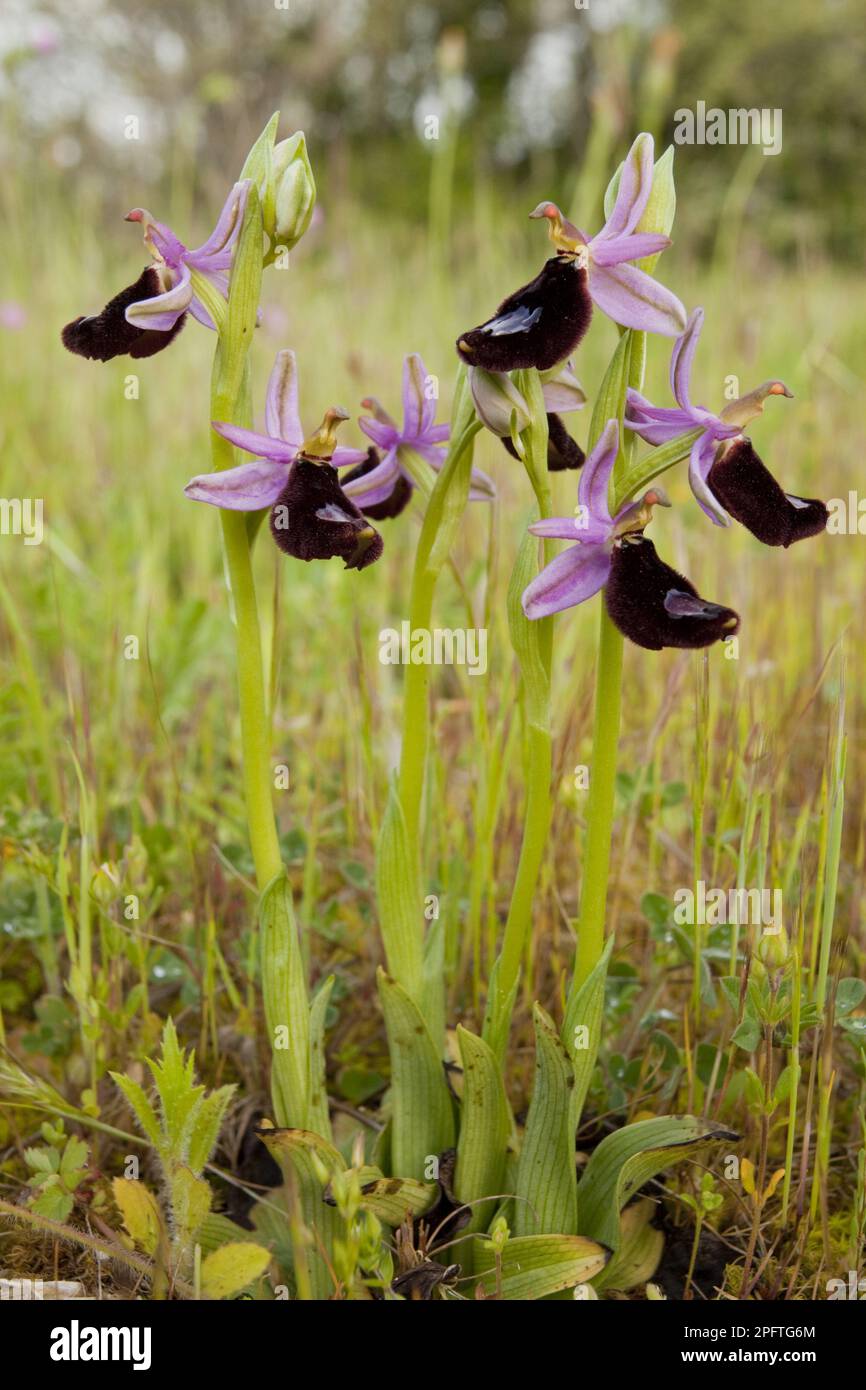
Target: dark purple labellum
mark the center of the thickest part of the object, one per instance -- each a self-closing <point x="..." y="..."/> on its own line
<point x="655" y="607"/>
<point x="562" y="450"/>
<point x="538" y="326"/>
<point x="747" y="489"/>
<point x="393" y="505"/>
<point x="103" y="336"/>
<point x="313" y="519"/>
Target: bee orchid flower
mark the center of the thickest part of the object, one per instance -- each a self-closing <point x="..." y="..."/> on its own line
<point x="147" y="316"/>
<point x="727" y="477"/>
<point x="311" y="517"/>
<point x="382" y="483"/>
<point x="649" y="602"/>
<point x="544" y="321"/>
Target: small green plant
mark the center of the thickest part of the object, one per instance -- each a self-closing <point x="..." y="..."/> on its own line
<point x="59" y="1167"/>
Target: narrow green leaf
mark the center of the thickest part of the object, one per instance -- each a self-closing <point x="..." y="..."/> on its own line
<point x="287" y="1013"/>
<point x="319" y="1118"/>
<point x="624" y="1161"/>
<point x="634" y="479"/>
<point x="546" y="1177"/>
<point x="526" y="636"/>
<point x="581" y="1031"/>
<point x="141" y="1108"/>
<point x="301" y="1155"/>
<point x="485" y="1129"/>
<point x="206" y="1126"/>
<point x="398" y="894"/>
<point x="423" y="1117"/>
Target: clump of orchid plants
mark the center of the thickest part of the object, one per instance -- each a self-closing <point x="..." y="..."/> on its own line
<point x="460" y="1201"/>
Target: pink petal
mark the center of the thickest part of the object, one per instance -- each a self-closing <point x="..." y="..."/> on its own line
<point x="228" y="223"/>
<point x="683" y="356"/>
<point x="163" y="311"/>
<point x="419" y="411"/>
<point x="282" y="419"/>
<point x="615" y="250"/>
<point x="700" y="463"/>
<point x="262" y="445"/>
<point x="635" y="186"/>
<point x="375" y="486"/>
<point x="247" y="488"/>
<point x="572" y="577"/>
<point x="592" y="489"/>
<point x="635" y="300"/>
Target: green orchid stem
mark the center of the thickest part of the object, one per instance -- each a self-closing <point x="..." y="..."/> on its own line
<point x="602" y="793"/>
<point x="416" y="715"/>
<point x="230" y="400"/>
<point x="538" y="755"/>
<point x="255" y="725"/>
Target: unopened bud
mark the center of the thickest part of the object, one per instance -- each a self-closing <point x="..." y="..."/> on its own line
<point x="497" y="399"/>
<point x="294" y="190"/>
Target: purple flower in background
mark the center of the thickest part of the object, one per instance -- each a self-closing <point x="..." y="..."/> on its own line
<point x="13" y="316"/>
<point x="382" y="483"/>
<point x="251" y="486"/>
<point x="144" y="318"/>
<point x="726" y="475"/>
<point x="649" y="602"/>
<point x="542" y="323"/>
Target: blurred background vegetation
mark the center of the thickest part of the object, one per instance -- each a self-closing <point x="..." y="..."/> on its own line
<point x="539" y="92"/>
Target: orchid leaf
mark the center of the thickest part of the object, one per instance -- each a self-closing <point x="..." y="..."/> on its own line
<point x="398" y="893"/>
<point x="485" y="1129"/>
<point x="423" y="1116"/>
<point x="393" y="1199"/>
<point x="306" y="1159"/>
<point x="627" y="1159"/>
<point x="581" y="1032"/>
<point x="533" y="1267"/>
<point x="318" y="1115"/>
<point x="546" y="1176"/>
<point x="639" y="1252"/>
<point x="287" y="1012"/>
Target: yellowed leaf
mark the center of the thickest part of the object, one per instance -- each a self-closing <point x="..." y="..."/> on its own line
<point x="140" y="1211"/>
<point x="232" y="1267"/>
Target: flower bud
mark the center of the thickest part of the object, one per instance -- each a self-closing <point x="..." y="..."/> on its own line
<point x="294" y="190"/>
<point x="496" y="400"/>
<point x="773" y="948"/>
